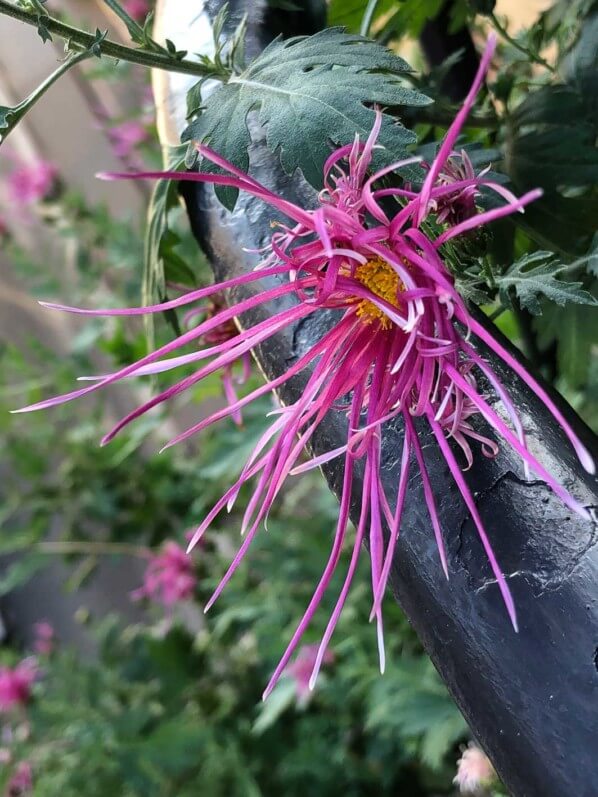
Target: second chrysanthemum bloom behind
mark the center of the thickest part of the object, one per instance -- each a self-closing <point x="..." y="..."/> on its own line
<point x="400" y="347"/>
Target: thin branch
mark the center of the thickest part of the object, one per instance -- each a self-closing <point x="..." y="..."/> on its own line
<point x="10" y="117"/>
<point x="65" y="547"/>
<point x="85" y="40"/>
<point x="368" y="16"/>
<point x="537" y="59"/>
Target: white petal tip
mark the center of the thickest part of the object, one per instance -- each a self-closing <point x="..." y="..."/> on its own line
<point x="587" y="461"/>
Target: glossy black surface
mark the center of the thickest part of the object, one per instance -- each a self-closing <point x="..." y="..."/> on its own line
<point x="531" y="698"/>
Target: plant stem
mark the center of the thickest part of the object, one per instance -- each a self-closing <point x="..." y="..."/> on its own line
<point x="66" y="547"/>
<point x="537" y="59"/>
<point x="15" y="114"/>
<point x="109" y="48"/>
<point x="444" y="117"/>
<point x="367" y="18"/>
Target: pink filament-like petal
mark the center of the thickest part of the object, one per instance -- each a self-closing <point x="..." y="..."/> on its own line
<point x="428" y="492"/>
<point x="454" y="130"/>
<point x="187" y="337"/>
<point x="396" y="525"/>
<point x="173" y="304"/>
<point x="490" y="215"/>
<point x="473" y="510"/>
<point x="503" y="430"/>
<point x="582" y="452"/>
<point x="341" y="529"/>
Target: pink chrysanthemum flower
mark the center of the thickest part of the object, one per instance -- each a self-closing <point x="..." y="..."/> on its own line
<point x="138" y="9"/>
<point x="16" y="683"/>
<point x="44" y="638"/>
<point x="21" y="782"/>
<point x="169" y="577"/>
<point x="126" y="137"/>
<point x="28" y="183"/>
<point x="301" y="669"/>
<point x="398" y="349"/>
<point x="475" y="773"/>
<point x="219" y="335"/>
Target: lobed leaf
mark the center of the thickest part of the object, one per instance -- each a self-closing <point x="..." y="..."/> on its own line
<point x="535" y="275"/>
<point x="309" y="93"/>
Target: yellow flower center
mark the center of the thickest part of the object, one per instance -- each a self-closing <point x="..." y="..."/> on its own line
<point x="380" y="278"/>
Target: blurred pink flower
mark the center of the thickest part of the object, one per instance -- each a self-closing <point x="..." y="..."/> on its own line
<point x="15" y="684"/>
<point x="301" y="670"/>
<point x="126" y="136"/>
<point x="21" y="782"/>
<point x="169" y="577"/>
<point x="44" y="637"/>
<point x="28" y="183"/>
<point x="474" y="771"/>
<point x="138" y="9"/>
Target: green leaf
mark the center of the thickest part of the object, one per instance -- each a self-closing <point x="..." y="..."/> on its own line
<point x="160" y="241"/>
<point x="535" y="275"/>
<point x="19" y="572"/>
<point x="576" y="334"/>
<point x="310" y="92"/>
<point x="551" y="143"/>
<point x="278" y="702"/>
<point x="563" y="223"/>
<point x="43" y="31"/>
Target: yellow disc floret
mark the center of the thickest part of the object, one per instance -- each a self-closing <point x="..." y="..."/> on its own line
<point x="380" y="278"/>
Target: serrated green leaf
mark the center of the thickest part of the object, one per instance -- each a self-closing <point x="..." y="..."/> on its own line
<point x="535" y="275"/>
<point x="309" y="92"/>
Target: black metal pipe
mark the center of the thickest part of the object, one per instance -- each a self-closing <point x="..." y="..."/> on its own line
<point x="530" y="698"/>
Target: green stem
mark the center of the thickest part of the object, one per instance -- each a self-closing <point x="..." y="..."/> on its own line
<point x="12" y="116"/>
<point x="444" y="117"/>
<point x="109" y="48"/>
<point x="537" y="59"/>
<point x="136" y="32"/>
<point x="65" y="547"/>
<point x="496" y="313"/>
<point x="367" y="18"/>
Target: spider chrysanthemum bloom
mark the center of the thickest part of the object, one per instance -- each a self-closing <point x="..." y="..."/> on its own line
<point x="399" y="348"/>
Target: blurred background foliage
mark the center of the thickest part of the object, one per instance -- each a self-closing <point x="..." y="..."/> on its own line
<point x="164" y="701"/>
